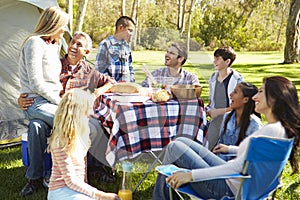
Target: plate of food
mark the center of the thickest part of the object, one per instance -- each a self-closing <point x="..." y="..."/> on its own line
<point x="125" y="88"/>
<point x="128" y="98"/>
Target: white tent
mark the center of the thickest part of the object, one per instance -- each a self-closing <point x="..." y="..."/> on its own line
<point x="17" y="19"/>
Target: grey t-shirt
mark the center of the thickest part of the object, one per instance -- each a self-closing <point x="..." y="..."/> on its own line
<point x="220" y="95"/>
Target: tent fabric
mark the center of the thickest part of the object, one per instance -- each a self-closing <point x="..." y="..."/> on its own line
<point x="41" y="3"/>
<point x="17" y="21"/>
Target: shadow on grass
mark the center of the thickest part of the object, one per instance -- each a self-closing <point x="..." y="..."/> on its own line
<point x="141" y="164"/>
<point x="13" y="180"/>
<point x="12" y="175"/>
<point x="143" y="192"/>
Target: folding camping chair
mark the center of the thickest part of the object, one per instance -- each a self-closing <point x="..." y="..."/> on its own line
<point x="266" y="157"/>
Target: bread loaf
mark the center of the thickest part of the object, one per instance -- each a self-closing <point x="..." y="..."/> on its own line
<point x="161" y="96"/>
<point x="125" y="88"/>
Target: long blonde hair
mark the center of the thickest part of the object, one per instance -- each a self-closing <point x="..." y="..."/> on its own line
<point x="50" y="22"/>
<point x="71" y="122"/>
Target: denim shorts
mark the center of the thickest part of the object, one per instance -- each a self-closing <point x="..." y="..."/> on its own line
<point x="66" y="193"/>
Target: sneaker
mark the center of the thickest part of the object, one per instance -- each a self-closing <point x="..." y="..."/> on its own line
<point x="30" y="187"/>
<point x="46" y="179"/>
<point x="107" y="177"/>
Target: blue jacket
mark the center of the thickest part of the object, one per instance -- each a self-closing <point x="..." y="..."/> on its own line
<point x="232" y="132"/>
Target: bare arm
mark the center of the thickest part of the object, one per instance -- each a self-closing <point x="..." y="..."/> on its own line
<point x="217" y="111"/>
<point x="103" y="89"/>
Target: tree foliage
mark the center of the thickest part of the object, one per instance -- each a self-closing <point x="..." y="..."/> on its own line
<point x="243" y="24"/>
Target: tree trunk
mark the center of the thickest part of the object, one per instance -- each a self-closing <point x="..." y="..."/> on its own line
<point x="247" y="7"/>
<point x="123" y="7"/>
<point x="80" y="15"/>
<point x="134" y="15"/>
<point x="291" y="49"/>
<point x="69" y="9"/>
<point x="192" y="6"/>
<point x="180" y="15"/>
<point x="281" y="22"/>
<point x="133" y="9"/>
<point x="183" y="18"/>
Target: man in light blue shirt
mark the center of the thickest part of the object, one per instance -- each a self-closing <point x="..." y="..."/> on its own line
<point x="175" y="57"/>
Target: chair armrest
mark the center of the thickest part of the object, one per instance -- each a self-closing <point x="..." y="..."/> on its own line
<point x="229" y="154"/>
<point x="167" y="170"/>
<point x="224" y="177"/>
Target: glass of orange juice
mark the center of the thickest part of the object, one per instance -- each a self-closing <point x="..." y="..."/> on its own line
<point x="125" y="194"/>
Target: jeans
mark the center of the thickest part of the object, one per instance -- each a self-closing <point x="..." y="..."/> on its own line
<point x="66" y="193"/>
<point x="186" y="153"/>
<point x="42" y="109"/>
<point x="37" y="143"/>
<point x="41" y="115"/>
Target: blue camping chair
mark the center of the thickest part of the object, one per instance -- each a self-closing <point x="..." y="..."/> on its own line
<point x="266" y="157"/>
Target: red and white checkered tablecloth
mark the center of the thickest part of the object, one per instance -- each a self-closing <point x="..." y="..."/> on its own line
<point x="142" y="127"/>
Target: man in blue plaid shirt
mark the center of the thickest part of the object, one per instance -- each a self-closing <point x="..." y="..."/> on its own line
<point x="114" y="55"/>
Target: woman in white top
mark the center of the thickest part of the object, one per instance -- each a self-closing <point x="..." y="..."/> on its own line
<point x="277" y="99"/>
<point x="40" y="65"/>
<point x="69" y="144"/>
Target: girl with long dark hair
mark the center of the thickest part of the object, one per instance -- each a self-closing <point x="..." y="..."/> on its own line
<point x="242" y="120"/>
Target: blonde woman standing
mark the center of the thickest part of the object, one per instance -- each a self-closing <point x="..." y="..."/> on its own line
<point x="68" y="145"/>
<point x="40" y="67"/>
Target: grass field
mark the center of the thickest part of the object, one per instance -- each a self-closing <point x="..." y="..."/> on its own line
<point x="252" y="65"/>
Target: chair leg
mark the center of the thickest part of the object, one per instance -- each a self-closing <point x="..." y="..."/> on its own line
<point x="170" y="193"/>
<point x="172" y="196"/>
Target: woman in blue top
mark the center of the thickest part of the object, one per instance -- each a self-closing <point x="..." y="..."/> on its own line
<point x="242" y="120"/>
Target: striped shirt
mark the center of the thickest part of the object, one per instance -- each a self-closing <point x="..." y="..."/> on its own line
<point x="69" y="170"/>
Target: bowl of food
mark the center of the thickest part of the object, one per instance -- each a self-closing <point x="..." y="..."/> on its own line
<point x="186" y="91"/>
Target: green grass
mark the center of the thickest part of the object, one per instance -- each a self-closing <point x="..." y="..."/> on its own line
<point x="252" y="65"/>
